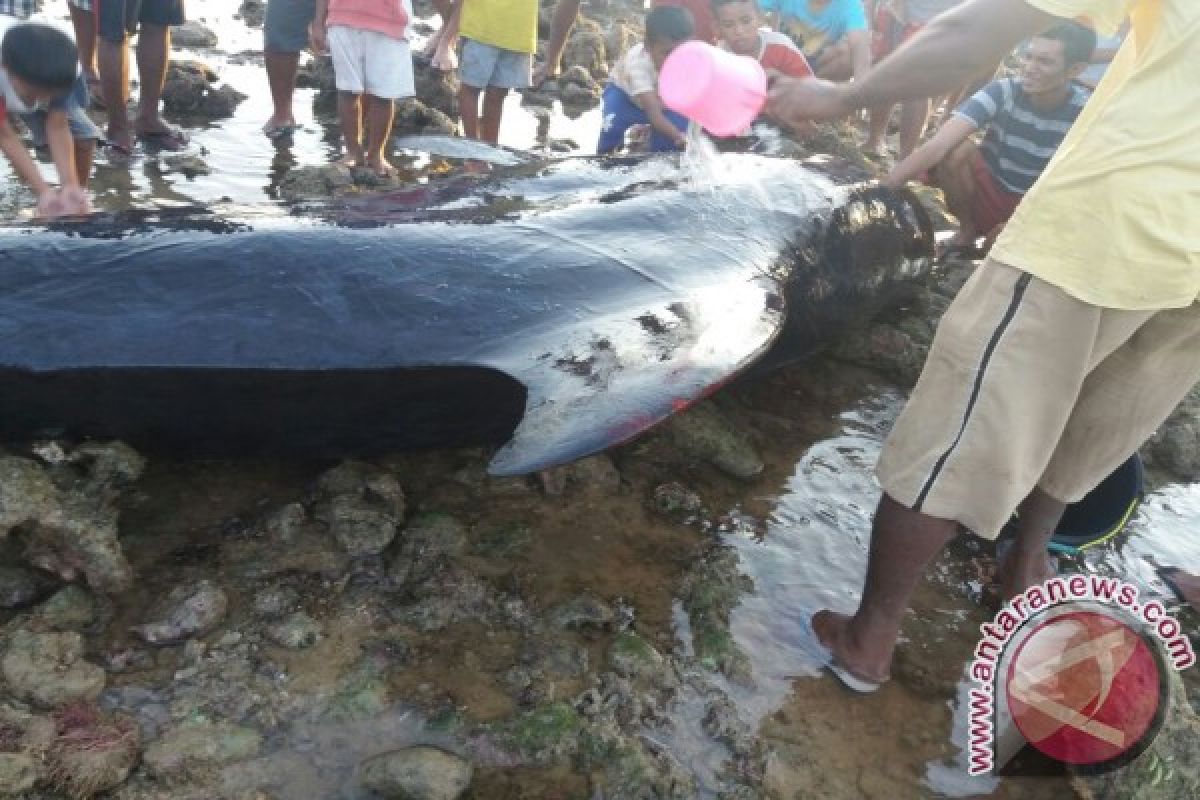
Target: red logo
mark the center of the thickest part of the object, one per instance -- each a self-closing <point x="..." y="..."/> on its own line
<point x="1085" y="688"/>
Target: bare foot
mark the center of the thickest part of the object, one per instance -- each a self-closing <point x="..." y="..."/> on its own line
<point x="350" y="160"/>
<point x="1018" y="571"/>
<point x="382" y="168"/>
<point x="869" y="661"/>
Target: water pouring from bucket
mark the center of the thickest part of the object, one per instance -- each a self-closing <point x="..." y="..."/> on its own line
<point x="721" y="91"/>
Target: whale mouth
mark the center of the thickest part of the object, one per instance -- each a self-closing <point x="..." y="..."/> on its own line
<point x="258" y="412"/>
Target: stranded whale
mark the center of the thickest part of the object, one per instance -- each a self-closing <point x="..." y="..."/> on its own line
<point x="555" y="309"/>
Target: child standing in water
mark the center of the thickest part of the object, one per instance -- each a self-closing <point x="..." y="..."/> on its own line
<point x="499" y="38"/>
<point x="631" y="96"/>
<point x="373" y="68"/>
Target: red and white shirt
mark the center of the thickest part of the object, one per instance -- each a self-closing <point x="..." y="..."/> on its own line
<point x="778" y="52"/>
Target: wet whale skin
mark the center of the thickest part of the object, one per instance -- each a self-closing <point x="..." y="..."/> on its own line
<point x="553" y="309"/>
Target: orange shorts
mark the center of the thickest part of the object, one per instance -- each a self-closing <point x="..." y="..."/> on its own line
<point x="888" y="33"/>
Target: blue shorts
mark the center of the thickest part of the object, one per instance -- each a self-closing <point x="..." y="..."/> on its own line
<point x="116" y="19"/>
<point x="482" y="65"/>
<point x="285" y="28"/>
<point x="619" y="113"/>
<point x="82" y="127"/>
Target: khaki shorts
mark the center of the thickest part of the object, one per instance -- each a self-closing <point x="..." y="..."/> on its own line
<point x="1026" y="386"/>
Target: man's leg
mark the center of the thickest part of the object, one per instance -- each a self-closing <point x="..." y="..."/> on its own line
<point x="112" y="58"/>
<point x="285" y="34"/>
<point x="1026" y="564"/>
<point x="1007" y="364"/>
<point x="84" y="23"/>
<point x="85" y="153"/>
<point x="878" y="120"/>
<point x="493" y="110"/>
<point x="154" y="44"/>
<point x="902" y="543"/>
<point x="350" y="115"/>
<point x="468" y="109"/>
<point x="379" y="111"/>
<point x="955" y="176"/>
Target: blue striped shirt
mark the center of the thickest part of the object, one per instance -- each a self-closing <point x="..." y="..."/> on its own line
<point x="1020" y="138"/>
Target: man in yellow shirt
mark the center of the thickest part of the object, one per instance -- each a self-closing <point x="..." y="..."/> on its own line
<point x="499" y="40"/>
<point x="1077" y="337"/>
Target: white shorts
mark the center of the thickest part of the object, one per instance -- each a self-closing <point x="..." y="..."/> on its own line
<point x="371" y="63"/>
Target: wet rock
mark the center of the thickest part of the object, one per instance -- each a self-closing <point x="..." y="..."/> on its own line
<point x="18" y="773"/>
<point x="585" y="614"/>
<point x="363" y="692"/>
<point x="362" y="506"/>
<point x="1169" y="769"/>
<point x="72" y="608"/>
<point x="188" y="166"/>
<point x="631" y="656"/>
<point x="200" y="746"/>
<point x="586" y="49"/>
<point x="576" y="96"/>
<point x="192" y="34"/>
<point x="704" y="434"/>
<point x="193" y="609"/>
<point x="20" y="587"/>
<point x="428" y="543"/>
<point x="416" y="773"/>
<point x="709" y="593"/>
<point x="576" y="76"/>
<point x="91" y="753"/>
<point x="295" y="631"/>
<point x="675" y="500"/>
<point x="503" y="540"/>
<point x="275" y="601"/>
<point x="543" y="734"/>
<point x="413" y="117"/>
<point x="895" y="350"/>
<point x="450" y="596"/>
<point x="1175" y="447"/>
<point x="287" y="524"/>
<point x="437" y="89"/>
<point x="190" y="90"/>
<point x="48" y="669"/>
<point x="317" y="73"/>
<point x="594" y="475"/>
<point x="721" y="722"/>
<point x="620" y="37"/>
<point x="253" y="12"/>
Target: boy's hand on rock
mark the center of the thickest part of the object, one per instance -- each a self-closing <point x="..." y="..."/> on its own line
<point x="50" y="204"/>
<point x="75" y="200"/>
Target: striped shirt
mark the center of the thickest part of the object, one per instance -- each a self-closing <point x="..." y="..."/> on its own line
<point x="1020" y="138"/>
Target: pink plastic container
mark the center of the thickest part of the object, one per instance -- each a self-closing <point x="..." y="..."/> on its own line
<point x="721" y="91"/>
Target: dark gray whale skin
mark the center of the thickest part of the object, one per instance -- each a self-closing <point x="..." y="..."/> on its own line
<point x="555" y="309"/>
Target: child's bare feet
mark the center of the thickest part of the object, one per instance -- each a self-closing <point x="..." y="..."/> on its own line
<point x="380" y="165"/>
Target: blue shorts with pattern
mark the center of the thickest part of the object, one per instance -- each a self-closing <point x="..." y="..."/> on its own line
<point x="81" y="125"/>
<point x="618" y="113"/>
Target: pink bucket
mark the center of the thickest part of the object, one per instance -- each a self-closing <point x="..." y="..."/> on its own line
<point x="721" y="91"/>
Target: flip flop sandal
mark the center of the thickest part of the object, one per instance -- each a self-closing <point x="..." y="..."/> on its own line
<point x="855" y="683"/>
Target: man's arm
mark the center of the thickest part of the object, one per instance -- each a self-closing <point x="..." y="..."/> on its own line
<point x="318" y="32"/>
<point x="12" y="147"/>
<point x="929" y="155"/>
<point x="948" y="53"/>
<point x="565" y="13"/>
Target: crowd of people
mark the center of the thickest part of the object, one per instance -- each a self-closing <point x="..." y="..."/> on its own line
<point x="492" y="45"/>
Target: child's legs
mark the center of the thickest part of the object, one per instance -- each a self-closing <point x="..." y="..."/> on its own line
<point x="493" y="109"/>
<point x="348" y="49"/>
<point x="476" y="65"/>
<point x="663" y="144"/>
<point x="389" y="76"/>
<point x="618" y="113"/>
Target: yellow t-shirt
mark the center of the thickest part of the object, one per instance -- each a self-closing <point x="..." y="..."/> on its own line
<point x="507" y="24"/>
<point x="1115" y="218"/>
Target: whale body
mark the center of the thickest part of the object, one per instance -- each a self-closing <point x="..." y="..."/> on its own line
<point x="555" y="309"/>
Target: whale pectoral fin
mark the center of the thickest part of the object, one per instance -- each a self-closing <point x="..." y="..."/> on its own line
<point x="629" y="371"/>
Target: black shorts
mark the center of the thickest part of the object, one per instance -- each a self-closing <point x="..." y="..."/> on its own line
<point x="117" y="18"/>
